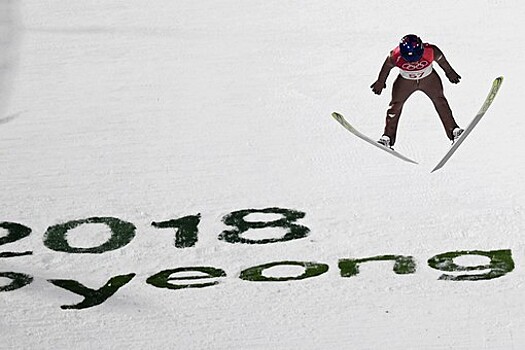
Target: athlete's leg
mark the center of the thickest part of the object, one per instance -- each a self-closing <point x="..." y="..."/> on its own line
<point x="433" y="88"/>
<point x="401" y="91"/>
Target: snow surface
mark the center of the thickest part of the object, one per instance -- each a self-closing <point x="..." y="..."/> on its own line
<point x="148" y="111"/>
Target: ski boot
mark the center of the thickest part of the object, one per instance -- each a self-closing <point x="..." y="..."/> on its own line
<point x="385" y="141"/>
<point x="456" y="133"/>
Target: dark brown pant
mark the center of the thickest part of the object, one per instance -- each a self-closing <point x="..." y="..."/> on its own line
<point x="401" y="91"/>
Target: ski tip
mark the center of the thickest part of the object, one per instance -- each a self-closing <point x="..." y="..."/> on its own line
<point x="498" y="80"/>
<point x="339" y="117"/>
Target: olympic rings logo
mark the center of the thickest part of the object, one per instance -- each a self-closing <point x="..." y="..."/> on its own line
<point x="417" y="66"/>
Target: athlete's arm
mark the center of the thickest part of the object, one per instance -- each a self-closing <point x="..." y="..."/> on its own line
<point x="380" y="83"/>
<point x="440" y="58"/>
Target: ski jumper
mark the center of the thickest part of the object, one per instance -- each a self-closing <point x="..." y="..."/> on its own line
<point x="414" y="76"/>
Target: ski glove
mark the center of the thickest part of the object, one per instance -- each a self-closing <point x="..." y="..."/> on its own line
<point x="377" y="87"/>
<point x="453" y="77"/>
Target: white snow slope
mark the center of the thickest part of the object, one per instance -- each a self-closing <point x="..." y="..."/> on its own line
<point x="149" y="111"/>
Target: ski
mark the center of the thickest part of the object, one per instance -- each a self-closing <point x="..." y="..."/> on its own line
<point x="354" y="131"/>
<point x="488" y="101"/>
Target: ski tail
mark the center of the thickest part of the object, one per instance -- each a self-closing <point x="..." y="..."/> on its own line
<point x="363" y="137"/>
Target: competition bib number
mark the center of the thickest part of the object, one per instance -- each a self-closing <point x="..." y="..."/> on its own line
<point x="416" y="71"/>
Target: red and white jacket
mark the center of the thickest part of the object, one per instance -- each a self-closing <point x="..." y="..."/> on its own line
<point x="414" y="70"/>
